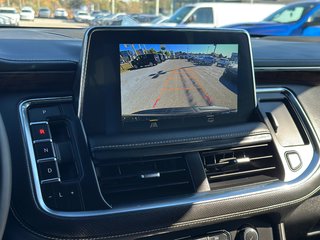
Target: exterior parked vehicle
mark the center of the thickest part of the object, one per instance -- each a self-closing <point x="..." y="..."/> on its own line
<point x="113" y="19"/>
<point x="44" y="12"/>
<point x="146" y="60"/>
<point x="11" y="13"/>
<point x="61" y="13"/>
<point x="302" y="18"/>
<point x="6" y="21"/>
<point x="98" y="19"/>
<point x="83" y="16"/>
<point x="222" y="62"/>
<point x="27" y="13"/>
<point x="219" y="14"/>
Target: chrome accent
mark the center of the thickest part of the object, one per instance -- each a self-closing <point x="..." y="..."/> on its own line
<point x="37" y="123"/>
<point x="46" y="160"/>
<point x="50" y="180"/>
<point x="43" y="140"/>
<point x="150" y="175"/>
<point x="195" y="199"/>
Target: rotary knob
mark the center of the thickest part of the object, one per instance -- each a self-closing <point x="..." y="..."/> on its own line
<point x="248" y="233"/>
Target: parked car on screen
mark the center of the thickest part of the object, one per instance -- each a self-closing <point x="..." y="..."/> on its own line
<point x="11" y="13"/>
<point x="83" y="16"/>
<point x="146" y="60"/>
<point x="44" y="12"/>
<point x="231" y="72"/>
<point x="27" y="13"/>
<point x="206" y="60"/>
<point x="162" y="57"/>
<point x="222" y="62"/>
<point x="302" y="18"/>
<point x="61" y="13"/>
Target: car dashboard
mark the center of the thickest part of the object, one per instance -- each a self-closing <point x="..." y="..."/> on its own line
<point x="253" y="180"/>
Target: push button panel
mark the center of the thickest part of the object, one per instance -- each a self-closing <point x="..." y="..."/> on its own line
<point x="40" y="131"/>
<point x="44" y="149"/>
<point x="43" y="113"/>
<point x="54" y="159"/>
<point x="48" y="171"/>
<point x="62" y="197"/>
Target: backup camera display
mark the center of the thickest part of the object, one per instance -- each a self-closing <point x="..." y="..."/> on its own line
<point x="178" y="79"/>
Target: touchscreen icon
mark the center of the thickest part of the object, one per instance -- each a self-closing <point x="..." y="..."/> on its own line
<point x="153" y="124"/>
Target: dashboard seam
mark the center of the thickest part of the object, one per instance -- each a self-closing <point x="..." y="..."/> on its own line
<point x="222" y="136"/>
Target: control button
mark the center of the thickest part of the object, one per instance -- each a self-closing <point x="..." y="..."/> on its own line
<point x="293" y="160"/>
<point x="68" y="197"/>
<point x="48" y="195"/>
<point x="40" y="131"/>
<point x="43" y="150"/>
<point x="219" y="236"/>
<point x="43" y="113"/>
<point x="48" y="170"/>
<point x="248" y="233"/>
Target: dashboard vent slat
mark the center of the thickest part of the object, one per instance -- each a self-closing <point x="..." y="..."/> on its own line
<point x="225" y="167"/>
<point x="136" y="180"/>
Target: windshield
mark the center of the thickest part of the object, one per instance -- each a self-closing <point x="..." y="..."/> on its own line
<point x="179" y="15"/>
<point x="258" y="18"/>
<point x="290" y="14"/>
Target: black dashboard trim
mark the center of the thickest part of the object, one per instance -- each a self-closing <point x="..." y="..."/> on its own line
<point x="220" y="209"/>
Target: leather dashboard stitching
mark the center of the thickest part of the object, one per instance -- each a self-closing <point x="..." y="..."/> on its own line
<point x="215" y="137"/>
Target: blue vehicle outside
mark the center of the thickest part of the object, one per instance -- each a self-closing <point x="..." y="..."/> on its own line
<point x="296" y="19"/>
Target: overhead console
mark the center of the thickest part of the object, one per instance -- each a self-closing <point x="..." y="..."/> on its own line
<point x="168" y="119"/>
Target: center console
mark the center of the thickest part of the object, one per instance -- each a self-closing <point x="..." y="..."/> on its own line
<point x="166" y="137"/>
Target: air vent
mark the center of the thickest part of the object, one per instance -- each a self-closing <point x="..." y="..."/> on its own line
<point x="241" y="166"/>
<point x="141" y="179"/>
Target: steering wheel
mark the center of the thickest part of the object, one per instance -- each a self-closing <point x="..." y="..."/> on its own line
<point x="5" y="177"/>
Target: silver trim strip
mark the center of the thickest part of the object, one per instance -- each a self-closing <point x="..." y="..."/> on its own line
<point x="37" y="123"/>
<point x="42" y="140"/>
<point x="46" y="160"/>
<point x="194" y="199"/>
<point x="50" y="180"/>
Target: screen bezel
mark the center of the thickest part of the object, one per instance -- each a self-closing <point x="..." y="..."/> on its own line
<point x="109" y="120"/>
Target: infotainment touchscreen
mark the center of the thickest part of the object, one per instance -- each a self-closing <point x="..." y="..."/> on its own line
<point x="137" y="80"/>
<point x="176" y="80"/>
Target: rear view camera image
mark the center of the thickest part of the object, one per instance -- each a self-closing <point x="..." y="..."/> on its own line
<point x="178" y="79"/>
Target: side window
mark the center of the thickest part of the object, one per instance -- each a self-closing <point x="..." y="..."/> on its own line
<point x="201" y="15"/>
<point x="314" y="19"/>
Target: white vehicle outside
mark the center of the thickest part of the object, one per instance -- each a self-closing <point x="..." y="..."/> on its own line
<point x="61" y="13"/>
<point x="44" y="12"/>
<point x="113" y="18"/>
<point x="220" y="14"/>
<point x="83" y="16"/>
<point x="6" y="21"/>
<point x="27" y="13"/>
<point x="11" y="13"/>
